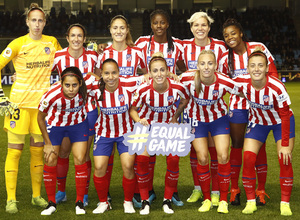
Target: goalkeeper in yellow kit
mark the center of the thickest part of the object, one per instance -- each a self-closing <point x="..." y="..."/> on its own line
<point x="32" y="56"/>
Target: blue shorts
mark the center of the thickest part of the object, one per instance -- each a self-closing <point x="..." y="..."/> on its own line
<point x="238" y="116"/>
<point x="103" y="146"/>
<point x="76" y="133"/>
<point x="92" y="118"/>
<point x="260" y="132"/>
<point x="217" y="127"/>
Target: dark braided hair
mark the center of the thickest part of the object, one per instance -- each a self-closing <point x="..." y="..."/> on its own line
<point x="101" y="83"/>
<point x="227" y="23"/>
<point x="75" y="72"/>
<point x="169" y="34"/>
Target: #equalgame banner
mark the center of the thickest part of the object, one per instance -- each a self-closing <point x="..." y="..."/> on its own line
<point x="160" y="138"/>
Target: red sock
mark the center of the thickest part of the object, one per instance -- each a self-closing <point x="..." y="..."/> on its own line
<point x="81" y="174"/>
<point x="214" y="168"/>
<point x="89" y="169"/>
<point x="142" y="175"/>
<point x="50" y="182"/>
<point x="172" y="174"/>
<point x="235" y="164"/>
<point x="204" y="180"/>
<point x="62" y="172"/>
<point x="152" y="162"/>
<point x="136" y="190"/>
<point x="249" y="177"/>
<point x="261" y="166"/>
<point x="110" y="168"/>
<point x="224" y="180"/>
<point x="128" y="187"/>
<point x="286" y="180"/>
<point x="101" y="186"/>
<point x="194" y="162"/>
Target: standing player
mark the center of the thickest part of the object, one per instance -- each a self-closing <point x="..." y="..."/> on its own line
<point x="114" y="97"/>
<point x="200" y="26"/>
<point x="234" y="63"/>
<point x="32" y="56"/>
<point x="161" y="93"/>
<point x="208" y="112"/>
<point x="62" y="107"/>
<point x="269" y="110"/>
<point x="126" y="54"/>
<point x="161" y="40"/>
<point x="75" y="55"/>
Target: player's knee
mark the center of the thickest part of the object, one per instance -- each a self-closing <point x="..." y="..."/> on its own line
<point x="100" y="170"/>
<point x="223" y="158"/>
<point x="203" y="160"/>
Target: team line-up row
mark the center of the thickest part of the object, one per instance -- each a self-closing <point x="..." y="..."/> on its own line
<point x="65" y="116"/>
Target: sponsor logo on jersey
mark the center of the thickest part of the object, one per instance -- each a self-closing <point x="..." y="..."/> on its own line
<point x="76" y="109"/>
<point x="7" y="53"/>
<point x="170" y="62"/>
<point x="192" y="64"/>
<point x="204" y="101"/>
<point x="38" y="64"/>
<point x="215" y="93"/>
<point x="121" y="98"/>
<point x="282" y="98"/>
<point x="126" y="70"/>
<point x="128" y="57"/>
<point x="114" y="110"/>
<point x="260" y="106"/>
<point x="85" y="64"/>
<point x="160" y="108"/>
<point x="239" y="72"/>
<point x="47" y="50"/>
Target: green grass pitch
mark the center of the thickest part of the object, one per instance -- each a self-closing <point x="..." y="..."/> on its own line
<point x="185" y="186"/>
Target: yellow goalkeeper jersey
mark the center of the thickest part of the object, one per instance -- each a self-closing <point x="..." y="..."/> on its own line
<point x="33" y="60"/>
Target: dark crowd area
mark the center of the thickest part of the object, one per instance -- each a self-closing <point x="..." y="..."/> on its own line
<point x="275" y="28"/>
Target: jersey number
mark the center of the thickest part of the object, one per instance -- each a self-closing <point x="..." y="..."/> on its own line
<point x="16" y="115"/>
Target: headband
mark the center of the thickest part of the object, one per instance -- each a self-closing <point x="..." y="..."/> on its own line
<point x="258" y="53"/>
<point x="69" y="74"/>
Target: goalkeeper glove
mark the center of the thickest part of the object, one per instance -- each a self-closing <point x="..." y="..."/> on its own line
<point x="6" y="107"/>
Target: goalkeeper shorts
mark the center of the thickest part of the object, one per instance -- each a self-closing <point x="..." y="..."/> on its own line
<point x="23" y="121"/>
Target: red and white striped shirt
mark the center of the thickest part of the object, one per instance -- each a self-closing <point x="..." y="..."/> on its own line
<point x="171" y="56"/>
<point x="62" y="111"/>
<point x="128" y="60"/>
<point x="191" y="51"/>
<point x="240" y="68"/>
<point x="265" y="103"/>
<point x="114" y="119"/>
<point x="209" y="105"/>
<point x="86" y="63"/>
<point x="158" y="107"/>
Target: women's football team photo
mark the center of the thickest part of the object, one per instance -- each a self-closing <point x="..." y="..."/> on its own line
<point x="104" y="91"/>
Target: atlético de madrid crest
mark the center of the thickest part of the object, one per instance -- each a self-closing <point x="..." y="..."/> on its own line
<point x="47" y="50"/>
